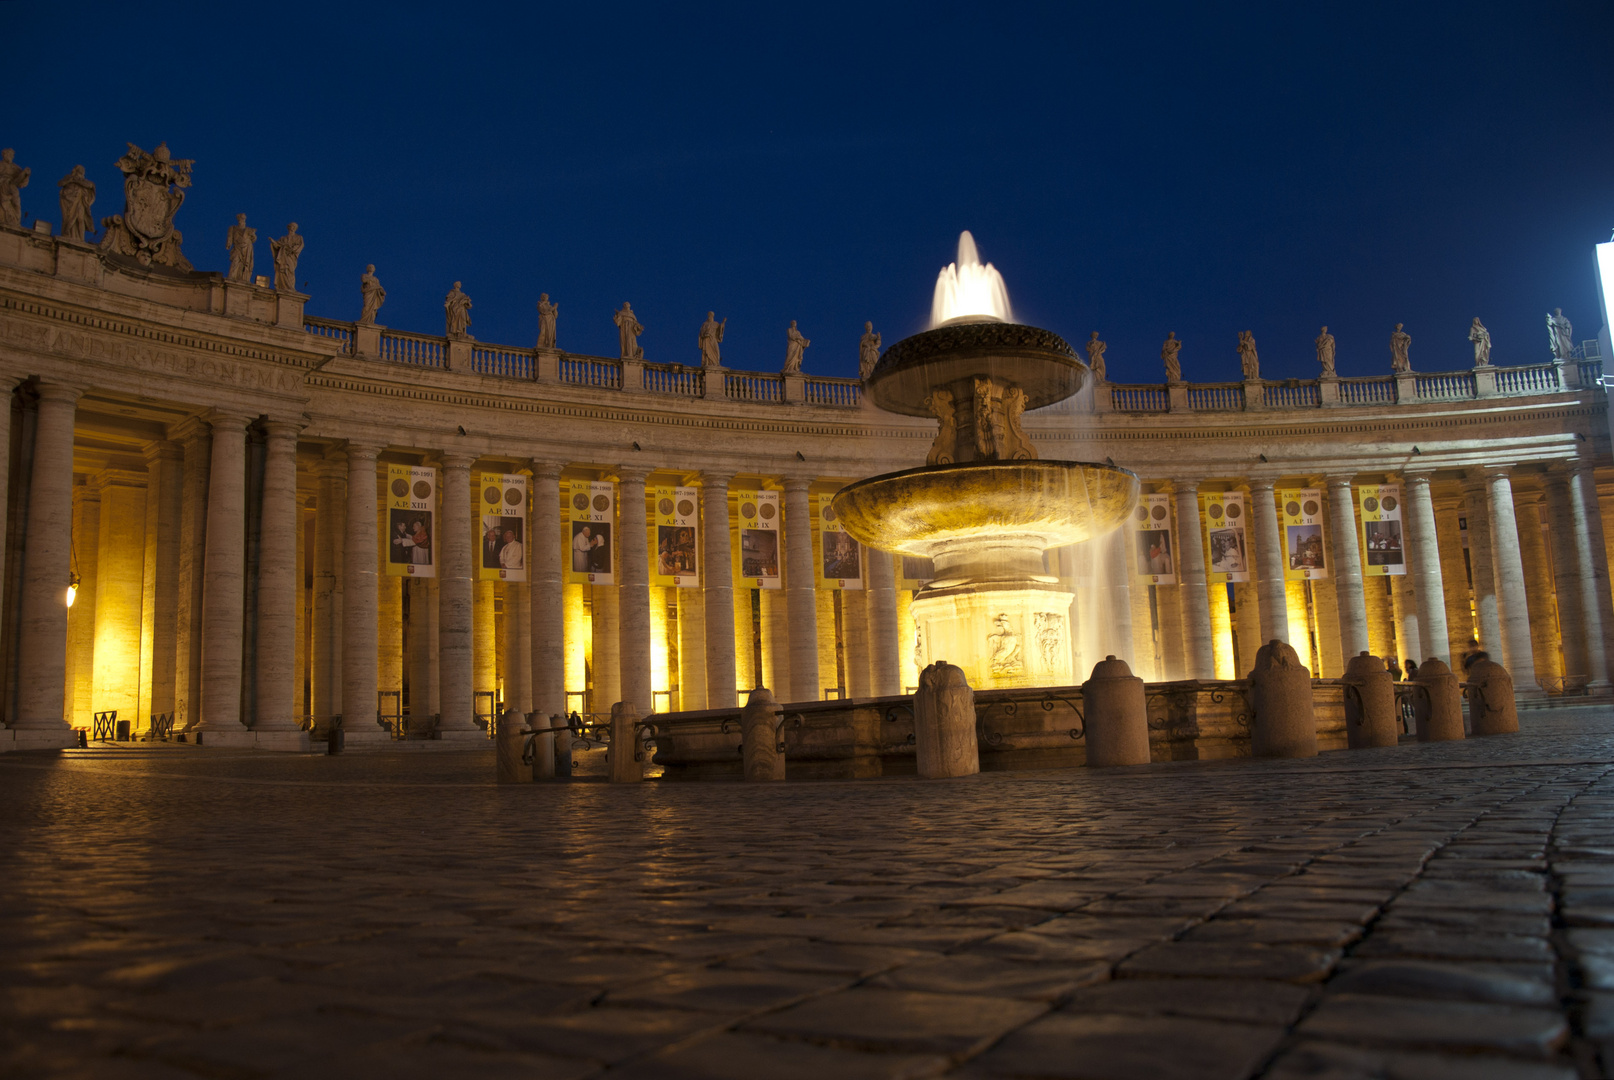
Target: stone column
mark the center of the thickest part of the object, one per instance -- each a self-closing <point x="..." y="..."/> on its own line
<point x="801" y="600"/>
<point x="1199" y="653"/>
<point x="1454" y="577"/>
<point x="1539" y="592"/>
<point x="1511" y="607"/>
<point x="829" y="659"/>
<point x="160" y="593"/>
<point x="855" y="638"/>
<point x="1423" y="563"/>
<point x="389" y="667"/>
<point x="548" y="594"/>
<point x="422" y="658"/>
<point x="518" y="648"/>
<point x="885" y="656"/>
<point x="633" y="590"/>
<point x="195" y="440"/>
<point x="717" y="593"/>
<point x="278" y="592"/>
<point x="1404" y="606"/>
<point x="120" y="589"/>
<point x="360" y="599"/>
<point x="484" y="636"/>
<point x="1114" y="572"/>
<point x="1269" y="584"/>
<point x="1481" y="566"/>
<point x="1347" y="554"/>
<point x="1574" y="579"/>
<point x="455" y="665"/>
<point x="330" y="518"/>
<point x="773" y="636"/>
<point x="223" y="584"/>
<point x="1591" y="560"/>
<point x="691" y="649"/>
<point x="47" y="563"/>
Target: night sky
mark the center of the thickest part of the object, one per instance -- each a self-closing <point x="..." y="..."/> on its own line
<point x="1131" y="169"/>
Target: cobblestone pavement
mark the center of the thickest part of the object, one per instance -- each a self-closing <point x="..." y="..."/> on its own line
<point x="1412" y="912"/>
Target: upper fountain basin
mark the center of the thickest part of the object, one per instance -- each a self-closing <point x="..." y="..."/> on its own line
<point x="1038" y="361"/>
<point x="1049" y="503"/>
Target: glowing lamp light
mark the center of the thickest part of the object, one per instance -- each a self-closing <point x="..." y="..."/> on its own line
<point x="1605" y="278"/>
<point x="72" y="589"/>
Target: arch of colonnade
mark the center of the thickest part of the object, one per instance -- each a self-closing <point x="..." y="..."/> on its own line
<point x="212" y="468"/>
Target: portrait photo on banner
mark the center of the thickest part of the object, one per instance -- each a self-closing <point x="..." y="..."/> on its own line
<point x="591" y="547"/>
<point x="675" y="550"/>
<point x="1227" y="551"/>
<point x="411" y="535"/>
<point x="759" y="553"/>
<point x="502" y="541"/>
<point x="1154" y="551"/>
<point x="841" y="556"/>
<point x="1383" y="543"/>
<point x="1305" y="547"/>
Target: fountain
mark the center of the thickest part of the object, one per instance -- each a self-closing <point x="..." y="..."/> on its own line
<point x="983" y="507"/>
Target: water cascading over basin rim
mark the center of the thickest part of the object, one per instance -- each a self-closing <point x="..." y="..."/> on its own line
<point x="1054" y="502"/>
<point x="1038" y="361"/>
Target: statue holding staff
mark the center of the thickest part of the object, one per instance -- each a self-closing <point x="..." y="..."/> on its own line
<point x="239" y="241"/>
<point x="13" y="178"/>
<point x="1400" y="343"/>
<point x="795" y="345"/>
<point x="628" y="331"/>
<point x="1168" y="352"/>
<point x="286" y="251"/>
<point x="77" y="197"/>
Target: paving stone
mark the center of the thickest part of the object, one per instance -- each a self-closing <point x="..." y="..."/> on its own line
<point x="1081" y="924"/>
<point x="906" y="1021"/>
<point x="1478" y="922"/>
<point x="827" y="958"/>
<point x="1289" y="963"/>
<point x="1331" y="1061"/>
<point x="1440" y="1025"/>
<point x="1031" y="946"/>
<point x="1450" y="982"/>
<point x="1120" y="1047"/>
<point x="723" y="990"/>
<point x="1277" y="931"/>
<point x="971" y="974"/>
<point x="1250" y="1001"/>
<point x="1268" y="905"/>
<point x="1454" y="946"/>
<point x="736" y="1055"/>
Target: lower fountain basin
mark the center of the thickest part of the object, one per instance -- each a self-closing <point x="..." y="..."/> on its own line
<point x="937" y="510"/>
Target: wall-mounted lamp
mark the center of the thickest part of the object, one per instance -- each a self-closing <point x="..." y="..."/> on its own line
<point x="72" y="588"/>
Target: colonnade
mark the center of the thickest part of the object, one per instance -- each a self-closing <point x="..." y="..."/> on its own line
<point x="238" y="582"/>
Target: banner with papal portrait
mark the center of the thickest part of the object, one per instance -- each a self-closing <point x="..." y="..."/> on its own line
<point x="1156" y="560"/>
<point x="1227" y="549"/>
<point x="411" y="521"/>
<point x="591" y="506"/>
<point x="756" y="547"/>
<point x="675" y="538"/>
<point x="502" y="527"/>
<point x="1379" y="507"/>
<point x="840" y="562"/>
<point x="1305" y="552"/>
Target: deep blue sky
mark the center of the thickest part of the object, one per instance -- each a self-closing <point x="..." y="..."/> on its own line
<point x="1132" y="169"/>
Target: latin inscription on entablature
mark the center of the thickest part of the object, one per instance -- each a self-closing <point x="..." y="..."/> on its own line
<point x="81" y="345"/>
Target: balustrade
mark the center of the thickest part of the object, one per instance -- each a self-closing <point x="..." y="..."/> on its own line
<point x="1216" y="397"/>
<point x="500" y="361"/>
<point x="1379" y="389"/>
<point x="342" y="333"/>
<point x="417" y="349"/>
<point x="745" y="386"/>
<point x="843" y="392"/>
<point x="674" y="379"/>
<point x="1139" y="399"/>
<point x="1446" y="386"/>
<point x="1542" y="379"/>
<point x="588" y="371"/>
<point x="1591" y="372"/>
<point x="1297" y="395"/>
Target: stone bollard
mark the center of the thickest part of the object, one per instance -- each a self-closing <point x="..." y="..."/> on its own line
<point x="759" y="736"/>
<point x="1437" y="703"/>
<point x="945" y="742"/>
<point x="1115" y="715"/>
<point x="563" y="745"/>
<point x="1491" y="709"/>
<point x="1280" y="696"/>
<point x="508" y="744"/>
<point x="625" y="769"/>
<point x="1370" y="713"/>
<point x="543" y="746"/>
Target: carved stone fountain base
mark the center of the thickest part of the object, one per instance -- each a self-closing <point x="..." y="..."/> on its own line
<point x="1002" y="633"/>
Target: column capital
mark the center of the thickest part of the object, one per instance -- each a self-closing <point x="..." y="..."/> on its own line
<point x="282" y="429"/>
<point x="1262" y="483"/>
<point x="225" y="419"/>
<point x="55" y="391"/>
<point x="1334" y="480"/>
<point x="453" y="460"/>
<point x="334" y="463"/>
<point x="162" y="450"/>
<point x="1578" y="466"/>
<point x="114" y="477"/>
<point x="361" y="450"/>
<point x="1417" y="476"/>
<point x="633" y="474"/>
<point x="547" y="470"/>
<point x="716" y="478"/>
<point x="794" y="484"/>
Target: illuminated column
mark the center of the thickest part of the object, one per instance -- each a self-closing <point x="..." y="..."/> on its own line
<point x="1199" y="654"/>
<point x="389" y="667"/>
<point x="1511" y="607"/>
<point x="828" y="660"/>
<point x="360" y="599"/>
<point x="579" y="634"/>
<point x="1481" y="567"/>
<point x="1574" y="577"/>
<point x="305" y="602"/>
<point x="1538" y="589"/>
<point x="548" y="623"/>
<point x="223" y="599"/>
<point x="907" y="638"/>
<point x="747" y="637"/>
<point x="1591" y="560"/>
<point x="1269" y="588"/>
<point x="1380" y="617"/>
<point x="1423" y="564"/>
<point x="1404" y="603"/>
<point x="484" y="638"/>
<point x="195" y="439"/>
<point x="455" y="672"/>
<point x="607" y="664"/>
<point x="81" y="619"/>
<point x="165" y="477"/>
<point x="885" y="644"/>
<point x="1454" y="577"/>
<point x="855" y="641"/>
<point x="278" y="586"/>
<point x="774" y="641"/>
<point x="718" y="591"/>
<point x="1168" y="610"/>
<point x="1325" y="616"/>
<point x="1114" y="571"/>
<point x="1353" y="637"/>
<point x="47" y="562"/>
<point x="633" y="593"/>
<point x="517" y="648"/>
<point x="691" y="649"/>
<point x="801" y="601"/>
<point x="422" y="659"/>
<point x="330" y="517"/>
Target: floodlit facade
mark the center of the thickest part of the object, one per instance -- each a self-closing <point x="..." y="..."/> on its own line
<point x="269" y="520"/>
